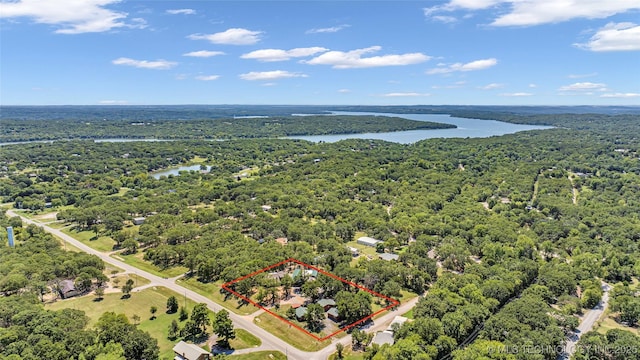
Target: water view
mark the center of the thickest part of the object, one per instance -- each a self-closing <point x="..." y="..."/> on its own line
<point x="466" y="128"/>
<point x="176" y="171"/>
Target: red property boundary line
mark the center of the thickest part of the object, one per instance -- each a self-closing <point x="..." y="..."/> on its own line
<point x="393" y="302"/>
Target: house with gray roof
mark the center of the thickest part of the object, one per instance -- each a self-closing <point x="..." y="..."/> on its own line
<point x="186" y="351"/>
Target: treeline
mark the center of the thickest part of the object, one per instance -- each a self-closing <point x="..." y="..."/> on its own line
<point x="217" y="128"/>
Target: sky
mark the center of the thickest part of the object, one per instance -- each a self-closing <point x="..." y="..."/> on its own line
<point x="455" y="52"/>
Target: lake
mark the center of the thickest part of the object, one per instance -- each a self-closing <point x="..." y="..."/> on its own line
<point x="176" y="171"/>
<point x="466" y="128"/>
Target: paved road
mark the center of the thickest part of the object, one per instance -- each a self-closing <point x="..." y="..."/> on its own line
<point x="269" y="341"/>
<point x="587" y="324"/>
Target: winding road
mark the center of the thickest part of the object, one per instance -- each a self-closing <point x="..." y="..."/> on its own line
<point x="588" y="322"/>
<point x="269" y="341"/>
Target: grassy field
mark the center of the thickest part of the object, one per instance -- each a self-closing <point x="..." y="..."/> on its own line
<point x="260" y="355"/>
<point x="66" y="246"/>
<point x="138" y="304"/>
<point x="103" y="243"/>
<point x="212" y="291"/>
<point x="348" y="354"/>
<point x="291" y="335"/>
<point x="609" y="323"/>
<point x="121" y="279"/>
<point x="244" y="340"/>
<point x="137" y="261"/>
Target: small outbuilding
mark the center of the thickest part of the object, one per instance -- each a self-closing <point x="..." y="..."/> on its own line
<point x="383" y="337"/>
<point x="388" y="257"/>
<point x="139" y="220"/>
<point x="354" y="252"/>
<point x="186" y="351"/>
<point x="367" y="241"/>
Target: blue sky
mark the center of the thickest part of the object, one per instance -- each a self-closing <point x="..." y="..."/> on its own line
<point x="511" y="52"/>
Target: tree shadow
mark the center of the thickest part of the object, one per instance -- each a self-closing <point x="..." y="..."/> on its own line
<point x="125" y="296"/>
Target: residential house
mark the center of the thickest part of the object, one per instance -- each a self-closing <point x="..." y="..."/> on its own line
<point x="327" y="304"/>
<point x="333" y="314"/>
<point x="301" y="312"/>
<point x="397" y="320"/>
<point x="67" y="289"/>
<point x="186" y="351"/>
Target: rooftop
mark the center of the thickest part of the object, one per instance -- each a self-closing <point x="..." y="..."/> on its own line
<point x="188" y="351"/>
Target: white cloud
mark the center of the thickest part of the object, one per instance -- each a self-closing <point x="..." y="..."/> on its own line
<point x="614" y="37"/>
<point x="517" y="94"/>
<point x="470" y="66"/>
<point x="207" y="77"/>
<point x="445" y="19"/>
<point x="620" y="95"/>
<point x="332" y="29"/>
<point x="145" y="64"/>
<point x="181" y="12"/>
<point x="282" y="55"/>
<point x="492" y="86"/>
<point x="344" y="91"/>
<point x="270" y="75"/>
<point x="72" y="16"/>
<point x="234" y="36"/>
<point x="584" y="86"/>
<point x="533" y="85"/>
<point x="405" y="94"/>
<point x="204" y="53"/>
<point x="353" y="59"/>
<point x="536" y="12"/>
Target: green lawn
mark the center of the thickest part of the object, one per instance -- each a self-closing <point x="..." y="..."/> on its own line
<point x="607" y="323"/>
<point x="291" y="335"/>
<point x="408" y="314"/>
<point x="244" y="340"/>
<point x="348" y="354"/>
<point x="212" y="291"/>
<point x="137" y="261"/>
<point x="260" y="355"/>
<point x="138" y="304"/>
<point x="66" y="246"/>
<point x="122" y="279"/>
<point x="103" y="243"/>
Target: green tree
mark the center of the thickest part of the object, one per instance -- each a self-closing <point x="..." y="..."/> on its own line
<point x="127" y="287"/>
<point x="153" y="311"/>
<point x="314" y="317"/>
<point x="339" y="350"/>
<point x="223" y="327"/>
<point x="200" y="315"/>
<point x="172" y="304"/>
<point x="174" y="330"/>
<point x="184" y="314"/>
<point x="99" y="292"/>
